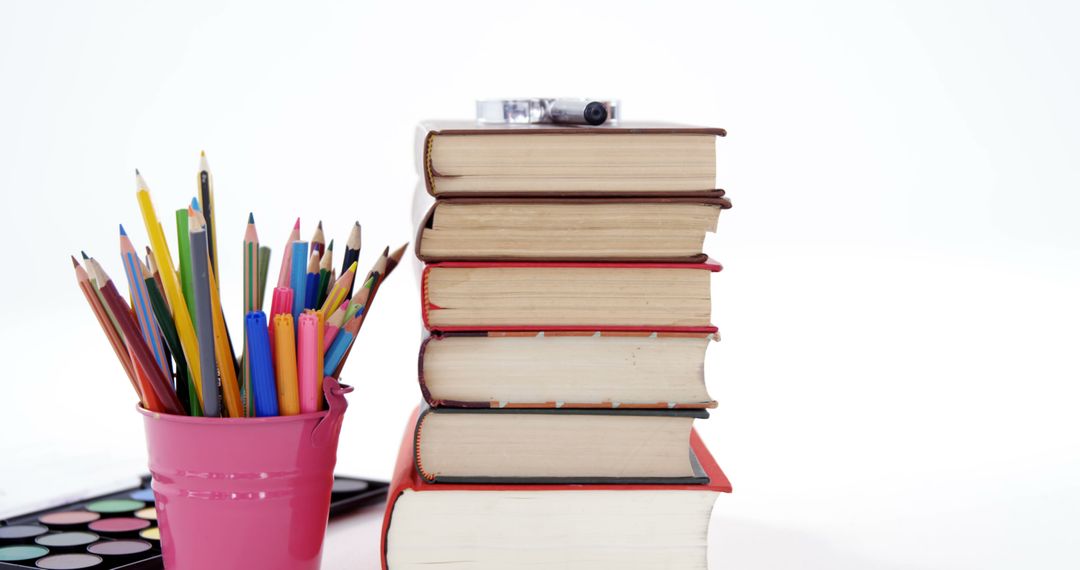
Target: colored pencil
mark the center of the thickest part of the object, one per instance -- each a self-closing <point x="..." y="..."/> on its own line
<point x="140" y="301"/>
<point x="184" y="253"/>
<point x="326" y="265"/>
<point x="285" y="365"/>
<point x="311" y="288"/>
<point x="336" y="354"/>
<point x="352" y="252"/>
<point x="113" y="336"/>
<point x="318" y="240"/>
<point x="331" y="282"/>
<point x="185" y="389"/>
<point x="251" y="297"/>
<point x="285" y="273"/>
<point x="167" y="401"/>
<point x="204" y="316"/>
<point x="264" y="268"/>
<point x="298" y="281"/>
<point x="152" y="263"/>
<point x="206" y="199"/>
<point x="262" y="364"/>
<point x="340" y="291"/>
<point x="181" y="316"/>
<point x="226" y="359"/>
<point x="306" y="368"/>
<point x="333" y="324"/>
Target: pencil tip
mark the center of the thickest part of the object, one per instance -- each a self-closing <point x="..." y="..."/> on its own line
<point x="296" y="226"/>
<point x="136" y="172"/>
<point x="320" y="224"/>
<point x="74" y="261"/>
<point x="251" y="218"/>
<point x="331" y="246"/>
<point x="357" y="223"/>
<point x="202" y="154"/>
<point x="84" y="256"/>
<point x="195" y="204"/>
<point x="122" y="232"/>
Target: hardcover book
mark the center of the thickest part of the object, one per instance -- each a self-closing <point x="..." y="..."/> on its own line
<point x="567" y="296"/>
<point x="464" y="158"/>
<point x="582" y="229"/>
<point x="572" y="527"/>
<point x="565" y="369"/>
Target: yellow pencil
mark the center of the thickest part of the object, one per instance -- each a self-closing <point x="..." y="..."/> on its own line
<point x="285" y="365"/>
<point x="336" y="296"/>
<point x="184" y="328"/>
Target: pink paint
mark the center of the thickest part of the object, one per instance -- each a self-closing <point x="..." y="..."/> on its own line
<point x="244" y="492"/>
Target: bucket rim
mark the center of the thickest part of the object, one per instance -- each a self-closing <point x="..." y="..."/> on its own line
<point x="252" y="421"/>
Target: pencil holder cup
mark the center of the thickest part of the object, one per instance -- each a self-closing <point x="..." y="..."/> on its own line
<point x="244" y="492"/>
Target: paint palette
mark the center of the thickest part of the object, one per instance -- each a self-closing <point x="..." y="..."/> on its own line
<point x="119" y="530"/>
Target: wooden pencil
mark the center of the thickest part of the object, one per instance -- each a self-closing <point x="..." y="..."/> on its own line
<point x="264" y="269"/>
<point x="184" y="326"/>
<point x="326" y="264"/>
<point x="251" y="298"/>
<point x="352" y="252"/>
<point x="200" y="273"/>
<point x="318" y="240"/>
<point x="285" y="274"/>
<point x="206" y="199"/>
<point x="185" y="389"/>
<point x="340" y="291"/>
<point x="144" y="360"/>
<point x="140" y="301"/>
<point x="113" y="336"/>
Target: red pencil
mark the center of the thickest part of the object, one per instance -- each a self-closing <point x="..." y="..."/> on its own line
<point x="144" y="359"/>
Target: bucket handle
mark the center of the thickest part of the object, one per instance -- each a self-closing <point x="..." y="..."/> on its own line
<point x="329" y="427"/>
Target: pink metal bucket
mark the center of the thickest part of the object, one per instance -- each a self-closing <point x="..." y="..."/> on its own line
<point x="244" y="492"/>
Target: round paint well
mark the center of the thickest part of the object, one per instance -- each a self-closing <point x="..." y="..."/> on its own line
<point x="21" y="552"/>
<point x="151" y="533"/>
<point x="119" y="524"/>
<point x="21" y="531"/>
<point x="68" y="518"/>
<point x="348" y="486"/>
<point x="115" y="506"/>
<point x="145" y="495"/>
<point x="119" y="547"/>
<point x="69" y="561"/>
<point x="67" y="539"/>
<point x="149" y="513"/>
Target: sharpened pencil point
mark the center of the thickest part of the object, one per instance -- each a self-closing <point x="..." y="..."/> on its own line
<point x="331" y="246"/>
<point x="320" y="224"/>
<point x="74" y="261"/>
<point x="122" y="232"/>
<point x="136" y="172"/>
<point x="202" y="154"/>
<point x="251" y="218"/>
<point x="296" y="226"/>
<point x="84" y="256"/>
<point x="195" y="204"/>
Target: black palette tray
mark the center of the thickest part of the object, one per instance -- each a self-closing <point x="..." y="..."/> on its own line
<point x="72" y="544"/>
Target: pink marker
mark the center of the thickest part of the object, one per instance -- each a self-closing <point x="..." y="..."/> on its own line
<point x="307" y="364"/>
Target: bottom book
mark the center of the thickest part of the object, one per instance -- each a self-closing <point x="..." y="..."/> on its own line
<point x="482" y="527"/>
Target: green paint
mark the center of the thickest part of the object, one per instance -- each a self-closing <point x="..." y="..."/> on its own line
<point x="115" y="506"/>
<point x="17" y="553"/>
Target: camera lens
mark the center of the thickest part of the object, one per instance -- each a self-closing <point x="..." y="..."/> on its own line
<point x="595" y="113"/>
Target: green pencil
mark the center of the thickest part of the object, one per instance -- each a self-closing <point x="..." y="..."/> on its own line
<point x="264" y="268"/>
<point x="186" y="284"/>
<point x="172" y="340"/>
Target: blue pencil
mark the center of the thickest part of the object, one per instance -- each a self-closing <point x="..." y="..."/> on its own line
<point x="263" y="383"/>
<point x="298" y="280"/>
<point x="337" y="350"/>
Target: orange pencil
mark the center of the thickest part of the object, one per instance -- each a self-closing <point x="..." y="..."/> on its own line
<point x="111" y="333"/>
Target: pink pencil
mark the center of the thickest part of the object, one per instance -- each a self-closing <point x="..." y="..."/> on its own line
<point x="306" y="363"/>
<point x="286" y="258"/>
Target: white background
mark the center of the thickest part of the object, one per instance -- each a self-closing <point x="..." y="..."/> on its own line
<point x="898" y="375"/>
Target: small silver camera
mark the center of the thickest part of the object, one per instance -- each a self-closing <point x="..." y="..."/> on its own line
<point x="545" y="110"/>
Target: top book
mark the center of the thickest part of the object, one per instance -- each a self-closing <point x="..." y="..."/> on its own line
<point x="469" y="159"/>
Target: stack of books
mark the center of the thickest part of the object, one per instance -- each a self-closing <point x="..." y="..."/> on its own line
<point x="568" y="304"/>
